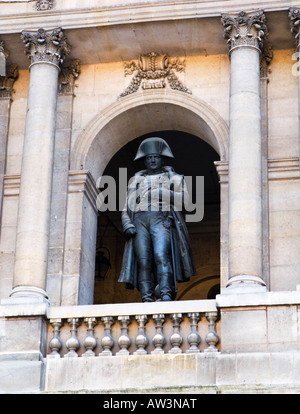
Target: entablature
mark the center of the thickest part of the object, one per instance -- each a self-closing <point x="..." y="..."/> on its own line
<point x="120" y="32"/>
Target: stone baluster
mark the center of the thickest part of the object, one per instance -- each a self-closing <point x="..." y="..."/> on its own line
<point x="55" y="344"/>
<point x="90" y="341"/>
<point x="141" y="340"/>
<point x="245" y="34"/>
<point x="176" y="337"/>
<point x="159" y="339"/>
<point x="124" y="340"/>
<point x="194" y="338"/>
<point x="212" y="337"/>
<point x="73" y="343"/>
<point x="107" y="341"/>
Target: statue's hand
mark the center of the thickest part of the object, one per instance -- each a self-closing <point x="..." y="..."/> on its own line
<point x="129" y="233"/>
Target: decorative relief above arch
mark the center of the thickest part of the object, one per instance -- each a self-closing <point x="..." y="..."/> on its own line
<point x="154" y="71"/>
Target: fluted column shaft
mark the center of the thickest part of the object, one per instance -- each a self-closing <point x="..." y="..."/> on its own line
<point x="245" y="34"/>
<point x="46" y="50"/>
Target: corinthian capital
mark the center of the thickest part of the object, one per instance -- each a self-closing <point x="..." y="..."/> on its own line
<point x="294" y="16"/>
<point x="245" y="29"/>
<point x="46" y="46"/>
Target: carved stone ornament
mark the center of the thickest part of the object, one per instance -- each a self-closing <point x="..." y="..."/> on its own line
<point x="67" y="76"/>
<point x="294" y="16"/>
<point x="3" y="50"/>
<point x="154" y="71"/>
<point x="3" y="56"/>
<point x="7" y="82"/>
<point x="245" y="30"/>
<point x="46" y="46"/>
<point x="42" y="5"/>
<point x="265" y="60"/>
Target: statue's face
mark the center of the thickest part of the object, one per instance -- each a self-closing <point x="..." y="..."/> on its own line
<point x="153" y="162"/>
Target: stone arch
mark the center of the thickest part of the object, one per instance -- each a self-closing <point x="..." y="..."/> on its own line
<point x="126" y="119"/>
<point x="141" y="113"/>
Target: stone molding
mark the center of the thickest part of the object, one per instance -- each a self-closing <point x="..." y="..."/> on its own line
<point x="99" y="14"/>
<point x="245" y="30"/>
<point x="222" y="170"/>
<point x="82" y="182"/>
<point x="116" y="309"/>
<point x="284" y="169"/>
<point x="12" y="185"/>
<point x="43" y="46"/>
<point x="151" y="72"/>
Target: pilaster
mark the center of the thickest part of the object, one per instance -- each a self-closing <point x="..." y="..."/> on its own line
<point x="294" y="16"/>
<point x="6" y="91"/>
<point x="80" y="240"/>
<point x="66" y="85"/>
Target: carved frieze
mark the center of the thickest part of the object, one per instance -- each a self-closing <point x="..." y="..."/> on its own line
<point x="7" y="82"/>
<point x="67" y="76"/>
<point x="154" y="71"/>
<point x="46" y="46"/>
<point x="245" y="29"/>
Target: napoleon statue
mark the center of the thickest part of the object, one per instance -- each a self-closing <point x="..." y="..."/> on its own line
<point x="157" y="252"/>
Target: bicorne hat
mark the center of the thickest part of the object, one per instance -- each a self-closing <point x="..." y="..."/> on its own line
<point x="153" y="145"/>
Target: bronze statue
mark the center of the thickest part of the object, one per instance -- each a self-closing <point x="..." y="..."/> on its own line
<point x="157" y="253"/>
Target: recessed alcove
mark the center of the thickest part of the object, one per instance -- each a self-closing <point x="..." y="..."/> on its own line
<point x="193" y="157"/>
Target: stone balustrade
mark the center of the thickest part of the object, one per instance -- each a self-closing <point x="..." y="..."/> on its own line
<point x="133" y="329"/>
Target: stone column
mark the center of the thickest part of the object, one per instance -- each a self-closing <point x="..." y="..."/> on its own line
<point x="46" y="50"/>
<point x="245" y="34"/>
<point x="294" y="16"/>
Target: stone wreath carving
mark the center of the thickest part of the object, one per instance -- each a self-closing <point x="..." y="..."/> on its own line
<point x="151" y="71"/>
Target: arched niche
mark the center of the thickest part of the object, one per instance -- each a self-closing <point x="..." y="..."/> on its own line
<point x="128" y="118"/>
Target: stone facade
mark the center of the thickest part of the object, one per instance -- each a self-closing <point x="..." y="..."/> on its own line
<point x="72" y="97"/>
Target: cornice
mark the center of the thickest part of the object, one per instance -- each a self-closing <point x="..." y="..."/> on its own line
<point x="127" y="14"/>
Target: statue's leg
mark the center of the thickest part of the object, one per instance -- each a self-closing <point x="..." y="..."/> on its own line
<point x="143" y="252"/>
<point x="161" y="240"/>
